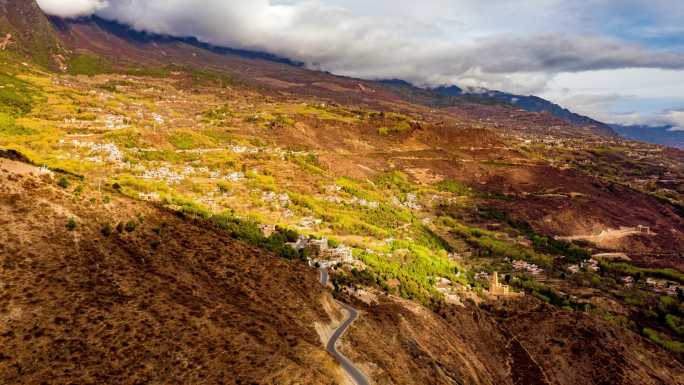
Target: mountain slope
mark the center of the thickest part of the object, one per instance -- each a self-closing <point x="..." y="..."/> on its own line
<point x="449" y="96"/>
<point x="124" y="32"/>
<point x="27" y="31"/>
<point x="664" y="135"/>
<point x="419" y="203"/>
<point x="163" y="300"/>
<point x="537" y="104"/>
<point x="526" y="343"/>
<point x="110" y="38"/>
<point x="172" y="300"/>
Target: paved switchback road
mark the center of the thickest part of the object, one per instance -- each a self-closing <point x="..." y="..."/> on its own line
<point x="354" y="372"/>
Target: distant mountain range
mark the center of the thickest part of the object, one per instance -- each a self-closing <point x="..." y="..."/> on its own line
<point x="454" y="95"/>
<point x="528" y="103"/>
<point x="664" y="135"/>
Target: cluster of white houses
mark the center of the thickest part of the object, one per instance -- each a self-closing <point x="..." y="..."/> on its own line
<point x="526" y="266"/>
<point x="111" y="153"/>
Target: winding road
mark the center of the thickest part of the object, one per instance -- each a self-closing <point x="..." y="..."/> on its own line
<point x="354" y="372"/>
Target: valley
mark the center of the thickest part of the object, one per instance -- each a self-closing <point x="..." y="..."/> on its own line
<point x="168" y="207"/>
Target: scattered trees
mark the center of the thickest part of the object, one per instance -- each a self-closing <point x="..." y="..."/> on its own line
<point x="106" y="230"/>
<point x="63" y="182"/>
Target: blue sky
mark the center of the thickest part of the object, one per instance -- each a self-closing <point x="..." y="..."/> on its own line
<point x="618" y="61"/>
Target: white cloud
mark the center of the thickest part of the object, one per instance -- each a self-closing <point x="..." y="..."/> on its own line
<point x="71" y="8"/>
<point x="602" y="107"/>
<point x="676" y="119"/>
<point x="625" y="110"/>
<point x="626" y="96"/>
<point x="642" y="82"/>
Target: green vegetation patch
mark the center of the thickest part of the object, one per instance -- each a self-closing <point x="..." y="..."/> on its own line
<point x="113" y="85"/>
<point x="430" y="239"/>
<point x="9" y="127"/>
<point x="89" y="64"/>
<point x="71" y="224"/>
<point x="385" y="216"/>
<point x="361" y="189"/>
<point x="132" y="185"/>
<point x="127" y="138"/>
<point x="606" y="150"/>
<point x="221" y="116"/>
<point x="415" y="267"/>
<point x="664" y="341"/>
<point x="348" y="224"/>
<point x="152" y="72"/>
<point x="188" y="140"/>
<point x="169" y="156"/>
<point x="395" y="180"/>
<point x="541" y="244"/>
<point x="196" y="77"/>
<point x="676" y="324"/>
<point x="242" y="229"/>
<point x="326" y="112"/>
<point x="454" y="187"/>
<point x="16" y="96"/>
<point x="488" y="245"/>
<point x="308" y="162"/>
<point x="271" y="121"/>
<point x="627" y="269"/>
<point x="544" y="292"/>
<point x="400" y="128"/>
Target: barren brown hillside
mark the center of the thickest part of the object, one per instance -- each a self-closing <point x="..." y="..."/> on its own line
<point x="166" y="302"/>
<point x="519" y="342"/>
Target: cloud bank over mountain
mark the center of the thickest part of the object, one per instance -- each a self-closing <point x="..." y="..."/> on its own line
<point x="71" y="8"/>
<point x="676" y="119"/>
<point x="501" y="44"/>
